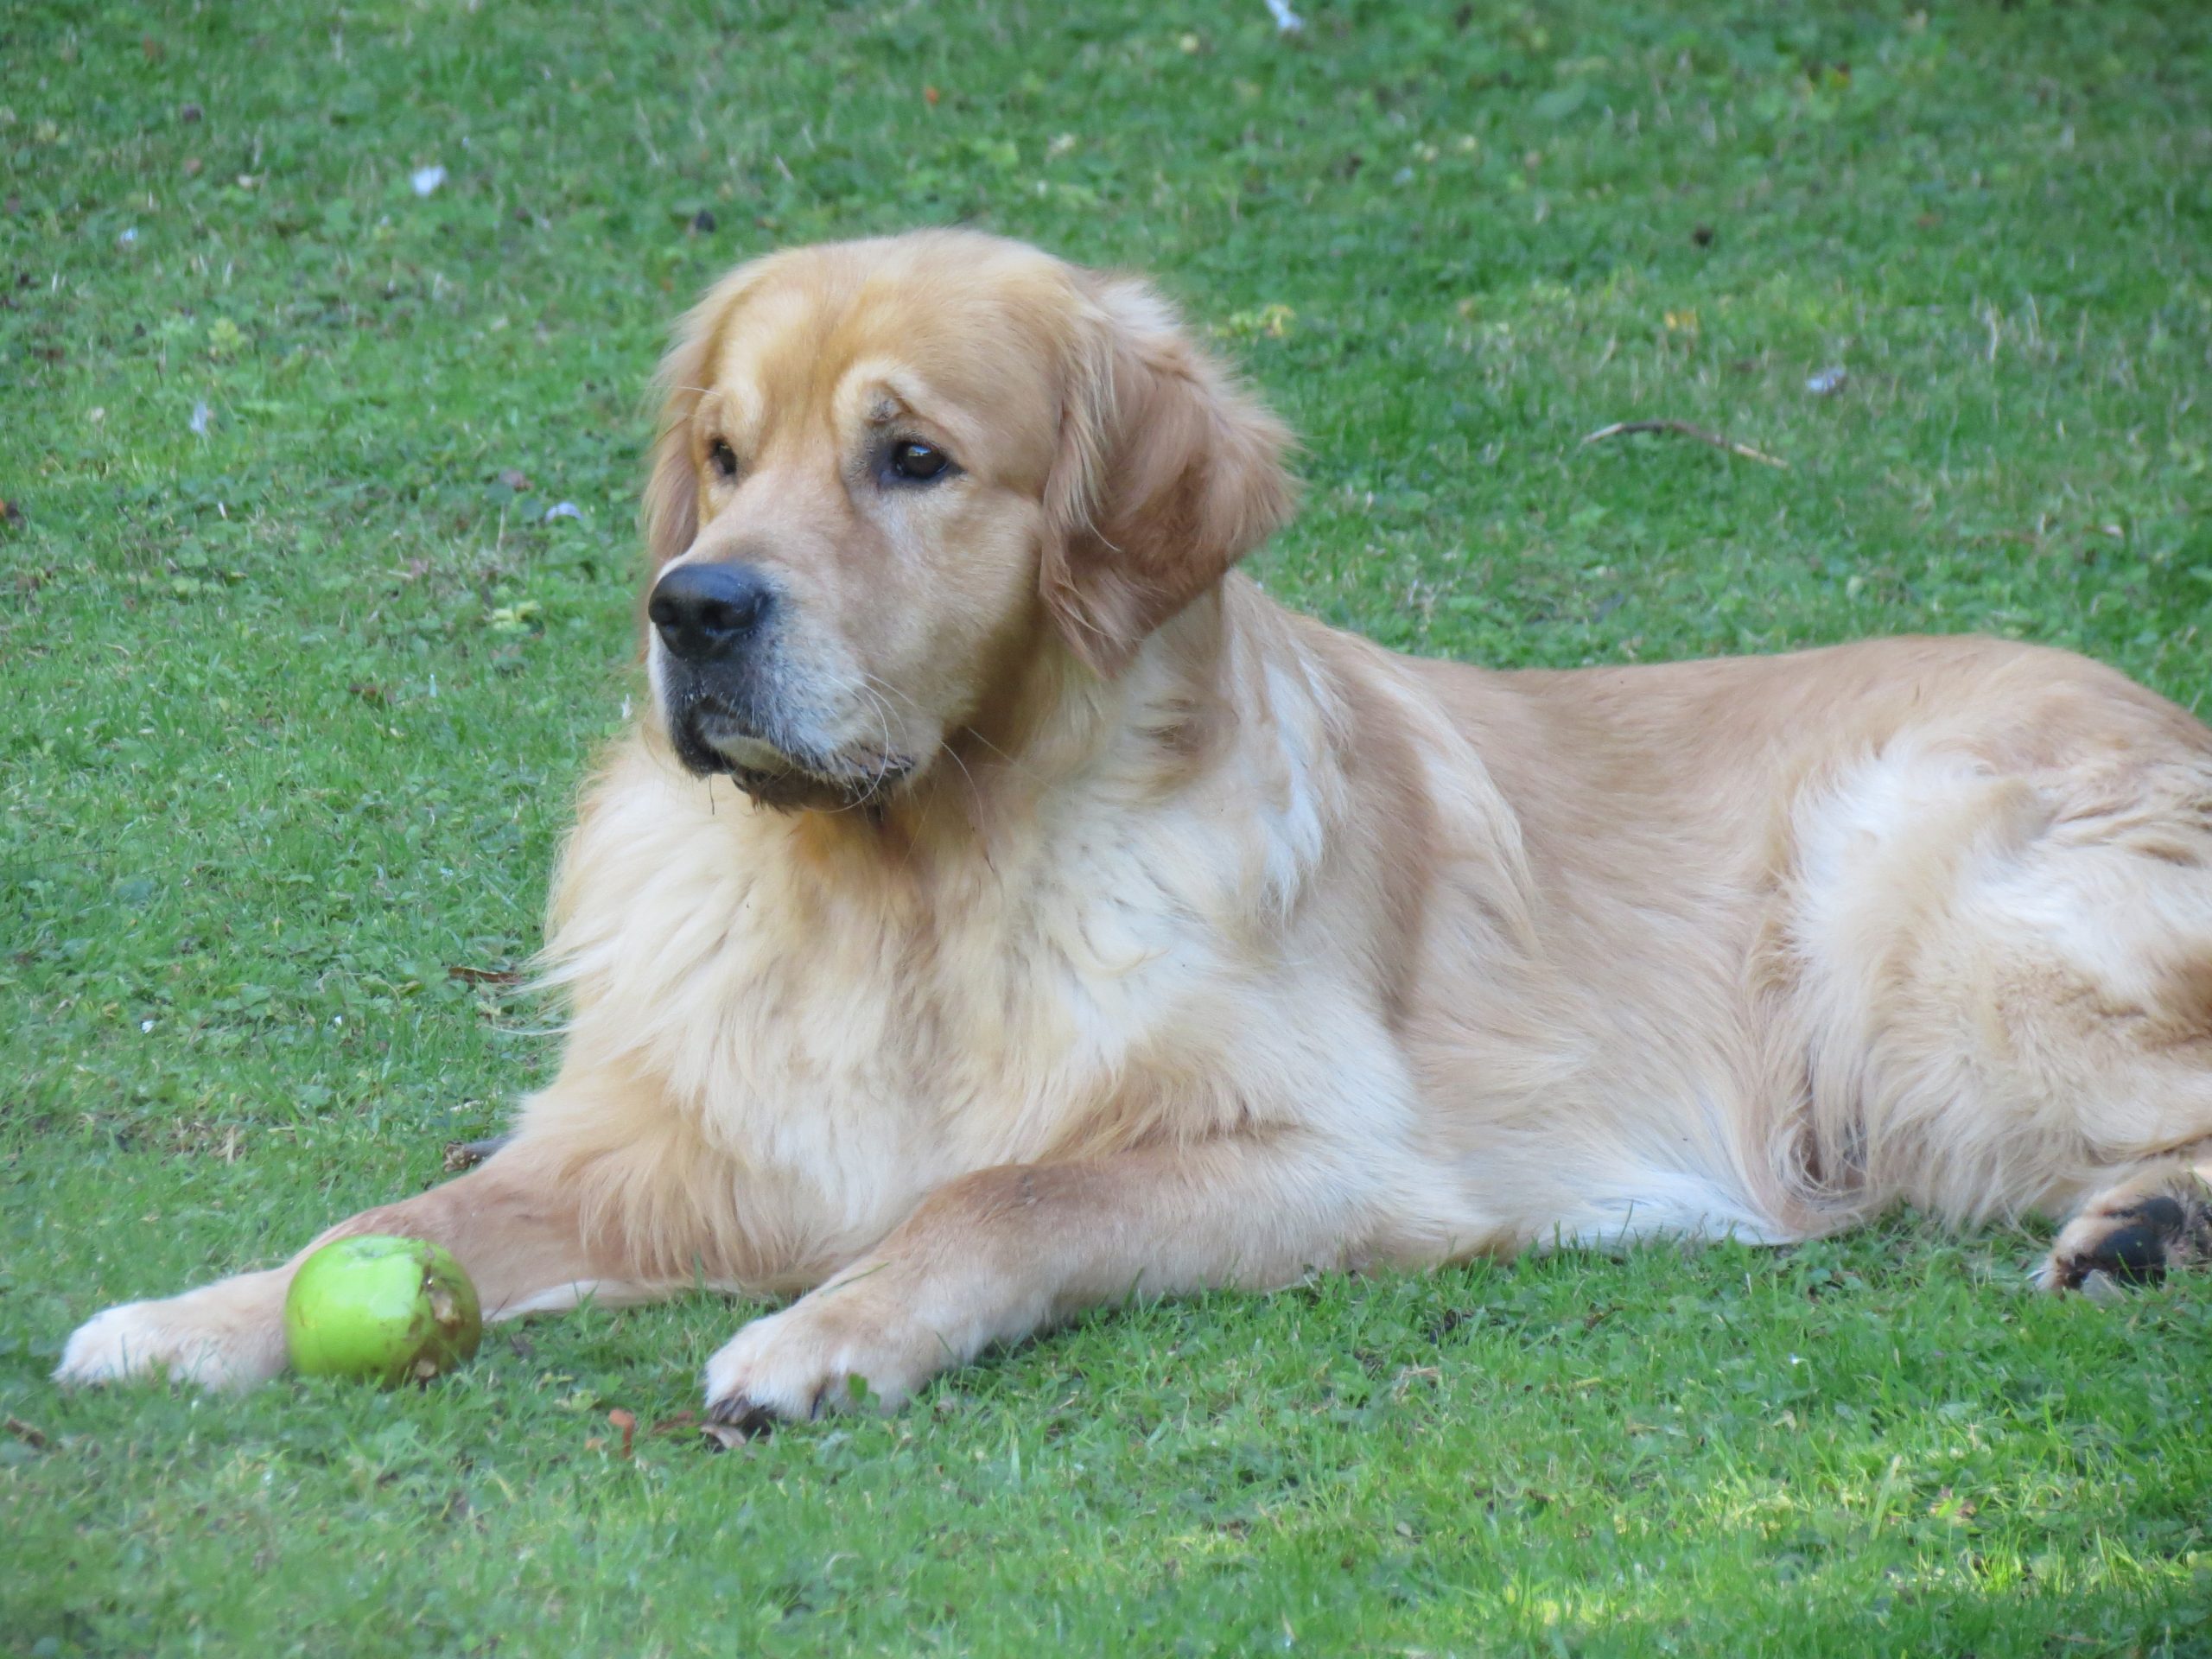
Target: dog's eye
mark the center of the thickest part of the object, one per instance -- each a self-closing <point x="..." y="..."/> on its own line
<point x="723" y="458"/>
<point x="918" y="463"/>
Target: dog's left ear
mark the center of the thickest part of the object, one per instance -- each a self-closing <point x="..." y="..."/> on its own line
<point x="670" y="505"/>
<point x="1168" y="472"/>
<point x="672" y="495"/>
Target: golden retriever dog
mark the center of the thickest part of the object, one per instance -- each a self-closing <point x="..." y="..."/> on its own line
<point x="1002" y="908"/>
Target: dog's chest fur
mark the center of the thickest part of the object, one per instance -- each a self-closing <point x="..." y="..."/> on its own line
<point x="864" y="1035"/>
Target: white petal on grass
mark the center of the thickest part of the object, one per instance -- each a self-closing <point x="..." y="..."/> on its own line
<point x="427" y="179"/>
<point x="563" y="509"/>
<point x="1286" y="20"/>
<point x="200" y="416"/>
<point x="1828" y="382"/>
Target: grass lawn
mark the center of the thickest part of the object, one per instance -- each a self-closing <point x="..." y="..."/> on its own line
<point x="301" y="670"/>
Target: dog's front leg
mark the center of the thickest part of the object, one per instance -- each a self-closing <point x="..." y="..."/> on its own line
<point x="508" y="1221"/>
<point x="995" y="1255"/>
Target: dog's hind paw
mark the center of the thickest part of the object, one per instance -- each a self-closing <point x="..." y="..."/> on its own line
<point x="2135" y="1234"/>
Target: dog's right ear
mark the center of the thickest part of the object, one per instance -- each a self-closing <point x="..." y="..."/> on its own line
<point x="672" y="496"/>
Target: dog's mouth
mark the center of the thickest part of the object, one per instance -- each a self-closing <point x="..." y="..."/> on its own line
<point x="711" y="739"/>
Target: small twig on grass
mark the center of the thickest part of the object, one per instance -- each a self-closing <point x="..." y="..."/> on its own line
<point x="466" y="1154"/>
<point x="1619" y="428"/>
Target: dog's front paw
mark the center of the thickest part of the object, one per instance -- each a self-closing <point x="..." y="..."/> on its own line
<point x="844" y="1346"/>
<point x="217" y="1338"/>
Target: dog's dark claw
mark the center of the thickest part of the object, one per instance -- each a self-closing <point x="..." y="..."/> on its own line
<point x="736" y="1419"/>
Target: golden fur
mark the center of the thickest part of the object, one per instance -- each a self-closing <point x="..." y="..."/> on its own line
<point x="1095" y="926"/>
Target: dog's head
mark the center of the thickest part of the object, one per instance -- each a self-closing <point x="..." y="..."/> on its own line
<point x="890" y="473"/>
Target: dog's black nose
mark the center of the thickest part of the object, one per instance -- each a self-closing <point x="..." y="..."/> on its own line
<point x="706" y="610"/>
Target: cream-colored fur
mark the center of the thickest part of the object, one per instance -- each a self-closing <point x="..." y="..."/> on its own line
<point x="1203" y="945"/>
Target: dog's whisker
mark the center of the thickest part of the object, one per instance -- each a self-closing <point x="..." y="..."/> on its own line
<point x="1012" y="762"/>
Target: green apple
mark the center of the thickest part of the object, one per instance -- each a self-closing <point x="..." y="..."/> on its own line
<point x="393" y="1310"/>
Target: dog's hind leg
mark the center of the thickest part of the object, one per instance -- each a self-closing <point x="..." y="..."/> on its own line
<point x="2011" y="984"/>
